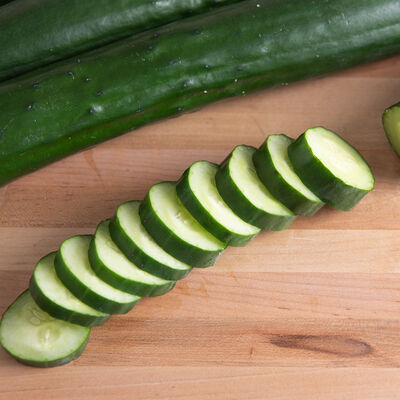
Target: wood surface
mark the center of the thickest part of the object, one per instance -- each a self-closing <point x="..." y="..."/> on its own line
<point x="312" y="312"/>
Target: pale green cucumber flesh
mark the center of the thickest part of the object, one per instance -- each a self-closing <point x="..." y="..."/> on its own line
<point x="35" y="338"/>
<point x="391" y="123"/>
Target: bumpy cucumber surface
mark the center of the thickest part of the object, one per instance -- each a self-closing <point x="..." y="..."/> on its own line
<point x="199" y="194"/>
<point x="35" y="338"/>
<point x="58" y="110"/>
<point x="129" y="234"/>
<point x="240" y="187"/>
<point x="52" y="296"/>
<point x="35" y="33"/>
<point x="331" y="168"/>
<point x="175" y="230"/>
<point x="111" y="265"/>
<point x="276" y="172"/>
<point x="391" y="124"/>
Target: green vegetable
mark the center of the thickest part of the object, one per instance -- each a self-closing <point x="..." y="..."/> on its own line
<point x="73" y="104"/>
<point x="35" y="338"/>
<point x="36" y="33"/>
<point x="391" y="123"/>
<point x="276" y="172"/>
<point x="331" y="168"/>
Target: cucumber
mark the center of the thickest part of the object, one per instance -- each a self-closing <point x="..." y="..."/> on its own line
<point x="74" y="270"/>
<point x="35" y="33"/>
<point x="175" y="230"/>
<point x="198" y="193"/>
<point x="35" y="338"/>
<point x="68" y="106"/>
<point x="391" y="124"/>
<point x="110" y="265"/>
<point x="331" y="168"/>
<point x="53" y="297"/>
<point x="139" y="247"/>
<point x="277" y="174"/>
<point x="240" y="187"/>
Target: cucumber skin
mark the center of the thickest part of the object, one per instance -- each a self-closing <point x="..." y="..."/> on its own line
<point x="396" y="150"/>
<point x="59" y="312"/>
<point x="51" y="30"/>
<point x="46" y="113"/>
<point x="192" y="204"/>
<point x="242" y="207"/>
<point x="86" y="295"/>
<point x="49" y="364"/>
<point x="279" y="188"/>
<point x="139" y="257"/>
<point x="174" y="245"/>
<point x="120" y="283"/>
<point x="320" y="180"/>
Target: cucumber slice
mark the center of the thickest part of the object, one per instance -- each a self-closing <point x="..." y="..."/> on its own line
<point x="110" y="265"/>
<point x="242" y="190"/>
<point x="391" y="123"/>
<point x="74" y="270"/>
<point x="128" y="233"/>
<point x="198" y="193"/>
<point x="277" y="174"/>
<point x="53" y="297"/>
<point x="174" y="228"/>
<point x="35" y="338"/>
<point x="331" y="168"/>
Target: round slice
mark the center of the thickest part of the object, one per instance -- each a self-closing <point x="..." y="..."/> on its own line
<point x="35" y="338"/>
<point x="128" y="233"/>
<point x="241" y="188"/>
<point x="53" y="297"/>
<point x="74" y="270"/>
<point x="110" y="265"/>
<point x="174" y="228"/>
<point x="199" y="194"/>
<point x="331" y="168"/>
<point x="277" y="174"/>
<point x="391" y="123"/>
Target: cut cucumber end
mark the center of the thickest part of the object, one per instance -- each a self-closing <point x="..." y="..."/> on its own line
<point x="331" y="168"/>
<point x="35" y="338"/>
<point x="391" y="124"/>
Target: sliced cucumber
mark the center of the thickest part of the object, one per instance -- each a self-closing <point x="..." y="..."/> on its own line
<point x="242" y="190"/>
<point x="35" y="338"/>
<point x="74" y="270"/>
<point x="331" y="168"/>
<point x="174" y="228"/>
<point x="110" y="265"/>
<point x="128" y="233"/>
<point x="53" y="297"/>
<point x="277" y="174"/>
<point x="391" y="123"/>
<point x="198" y="193"/>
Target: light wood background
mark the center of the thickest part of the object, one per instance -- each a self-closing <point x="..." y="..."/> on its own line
<point x="312" y="312"/>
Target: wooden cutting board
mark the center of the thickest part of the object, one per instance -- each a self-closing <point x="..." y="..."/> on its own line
<point x="312" y="312"/>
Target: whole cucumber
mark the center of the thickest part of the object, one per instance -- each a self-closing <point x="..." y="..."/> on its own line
<point x="76" y="103"/>
<point x="34" y="33"/>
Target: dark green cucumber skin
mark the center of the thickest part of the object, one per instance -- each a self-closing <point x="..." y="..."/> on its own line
<point x="134" y="253"/>
<point x="193" y="205"/>
<point x="35" y="33"/>
<point x="279" y="188"/>
<point x="73" y="104"/>
<point x="241" y="206"/>
<point x="320" y="180"/>
<point x="172" y="243"/>
<point x="54" y="363"/>
<point x="120" y="283"/>
<point x="85" y="294"/>
<point x="392" y="145"/>
<point x="60" y="312"/>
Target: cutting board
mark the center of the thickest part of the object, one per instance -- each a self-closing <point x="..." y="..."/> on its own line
<point x="312" y="312"/>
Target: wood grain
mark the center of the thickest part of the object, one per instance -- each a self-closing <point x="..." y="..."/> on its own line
<point x="308" y="313"/>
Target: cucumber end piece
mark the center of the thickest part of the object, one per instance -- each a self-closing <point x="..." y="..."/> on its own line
<point x="391" y="124"/>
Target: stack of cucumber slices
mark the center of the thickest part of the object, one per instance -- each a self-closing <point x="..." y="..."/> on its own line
<point x="147" y="246"/>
